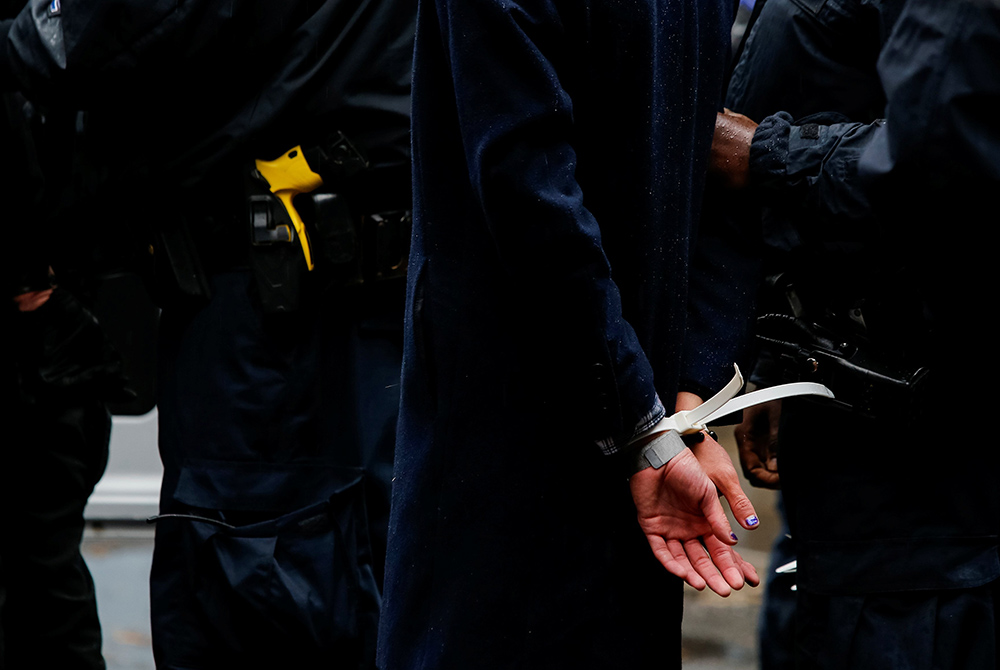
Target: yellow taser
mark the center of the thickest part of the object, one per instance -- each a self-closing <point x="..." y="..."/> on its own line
<point x="287" y="176"/>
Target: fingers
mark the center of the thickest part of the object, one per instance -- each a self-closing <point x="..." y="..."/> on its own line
<point x="720" y="469"/>
<point x="758" y="473"/>
<point x="711" y="564"/>
<point x="716" y="517"/>
<point x="747" y="449"/>
<point x="743" y="509"/>
<point x="691" y="562"/>
<point x="671" y="555"/>
<point x="766" y="476"/>
<point x="708" y="566"/>
<point x="757" y="441"/>
<point x="750" y="575"/>
<point x="734" y="569"/>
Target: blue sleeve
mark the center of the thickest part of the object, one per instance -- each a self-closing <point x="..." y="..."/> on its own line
<point x="725" y="273"/>
<point x="518" y="138"/>
<point x="811" y="166"/>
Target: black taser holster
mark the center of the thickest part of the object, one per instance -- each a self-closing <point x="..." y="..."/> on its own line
<point x="349" y="246"/>
<point x="871" y="378"/>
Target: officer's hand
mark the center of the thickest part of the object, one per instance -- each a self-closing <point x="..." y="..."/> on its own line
<point x="679" y="512"/>
<point x="68" y="349"/>
<point x="757" y="439"/>
<point x="32" y="300"/>
<point x="730" y="159"/>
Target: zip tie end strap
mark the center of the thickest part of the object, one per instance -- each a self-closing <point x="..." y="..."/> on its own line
<point x="683" y="424"/>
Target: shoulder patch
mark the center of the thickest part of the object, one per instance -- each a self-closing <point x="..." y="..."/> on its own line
<point x="810" y="131"/>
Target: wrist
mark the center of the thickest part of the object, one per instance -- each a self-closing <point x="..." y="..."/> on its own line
<point x="655" y="453"/>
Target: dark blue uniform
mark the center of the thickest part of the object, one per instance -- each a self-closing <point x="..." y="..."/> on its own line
<point x="559" y="157"/>
<point x="276" y="430"/>
<point x="895" y="530"/>
<point x="53" y="457"/>
<point x="57" y="373"/>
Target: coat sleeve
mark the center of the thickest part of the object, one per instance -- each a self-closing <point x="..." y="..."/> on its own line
<point x="725" y="273"/>
<point x="516" y="121"/>
<point x="810" y="165"/>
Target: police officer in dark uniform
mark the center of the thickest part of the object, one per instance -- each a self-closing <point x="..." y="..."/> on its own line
<point x="58" y="374"/>
<point x="895" y="534"/>
<point x="280" y="330"/>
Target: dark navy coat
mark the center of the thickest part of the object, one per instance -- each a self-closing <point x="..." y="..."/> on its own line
<point x="559" y="155"/>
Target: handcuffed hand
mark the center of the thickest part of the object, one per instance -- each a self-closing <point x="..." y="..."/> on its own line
<point x="680" y="513"/>
<point x="719" y="467"/>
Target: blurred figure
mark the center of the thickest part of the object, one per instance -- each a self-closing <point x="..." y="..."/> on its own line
<point x="280" y="339"/>
<point x="896" y="540"/>
<point x="58" y="373"/>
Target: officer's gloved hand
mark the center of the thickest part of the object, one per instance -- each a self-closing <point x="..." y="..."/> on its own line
<point x="730" y="159"/>
<point x="757" y="439"/>
<point x="63" y="349"/>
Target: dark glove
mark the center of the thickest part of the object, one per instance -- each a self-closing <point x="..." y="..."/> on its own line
<point x="63" y="351"/>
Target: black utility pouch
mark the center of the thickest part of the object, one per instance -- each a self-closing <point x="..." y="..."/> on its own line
<point x="353" y="249"/>
<point x="279" y="557"/>
<point x="275" y="257"/>
<point x="335" y="233"/>
<point x="387" y="240"/>
<point x="178" y="274"/>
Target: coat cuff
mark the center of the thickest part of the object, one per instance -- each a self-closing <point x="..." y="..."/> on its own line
<point x="769" y="151"/>
<point x="615" y="444"/>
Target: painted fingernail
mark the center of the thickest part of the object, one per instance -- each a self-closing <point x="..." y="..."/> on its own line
<point x="733" y="535"/>
<point x="752" y="521"/>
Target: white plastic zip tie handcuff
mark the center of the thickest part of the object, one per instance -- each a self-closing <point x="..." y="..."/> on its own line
<point x="724" y="402"/>
<point x="662" y="449"/>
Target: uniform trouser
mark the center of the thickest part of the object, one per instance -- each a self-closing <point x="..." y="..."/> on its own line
<point x="896" y="542"/>
<point x="52" y="457"/>
<point x="953" y="629"/>
<point x="282" y="427"/>
<point x="776" y="626"/>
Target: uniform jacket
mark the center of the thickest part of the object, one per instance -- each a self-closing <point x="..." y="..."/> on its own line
<point x="161" y="78"/>
<point x="819" y="75"/>
<point x="559" y="154"/>
<point x="277" y="428"/>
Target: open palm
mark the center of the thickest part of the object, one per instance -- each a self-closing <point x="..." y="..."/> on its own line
<point x="680" y="514"/>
